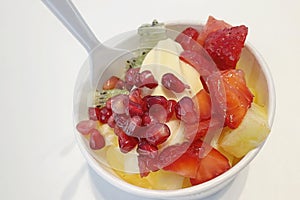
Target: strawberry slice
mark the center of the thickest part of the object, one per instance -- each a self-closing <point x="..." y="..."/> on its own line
<point x="211" y="25"/>
<point x="230" y="95"/>
<point x="200" y="163"/>
<point x="225" y="46"/>
<point x="190" y="32"/>
<point x="187" y="38"/>
<point x="203" y="103"/>
<point x="212" y="165"/>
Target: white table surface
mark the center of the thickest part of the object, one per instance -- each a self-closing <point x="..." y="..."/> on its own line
<point x="39" y="62"/>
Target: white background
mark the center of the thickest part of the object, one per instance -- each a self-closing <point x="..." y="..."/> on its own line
<point x="39" y="62"/>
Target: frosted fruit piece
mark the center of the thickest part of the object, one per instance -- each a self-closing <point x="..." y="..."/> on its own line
<point x="126" y="162"/>
<point x="164" y="180"/>
<point x="134" y="179"/>
<point x="252" y="131"/>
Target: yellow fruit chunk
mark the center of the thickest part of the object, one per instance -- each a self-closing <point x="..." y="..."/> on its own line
<point x="164" y="180"/>
<point x="108" y="133"/>
<point x="135" y="179"/>
<point x="124" y="162"/>
<point x="186" y="183"/>
<point x="250" y="134"/>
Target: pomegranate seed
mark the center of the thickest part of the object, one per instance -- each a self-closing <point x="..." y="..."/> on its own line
<point x="130" y="126"/>
<point x="94" y="113"/>
<point x="137" y="120"/>
<point x="146" y="119"/>
<point x="171" y="82"/>
<point x="119" y="104"/>
<point x="86" y="126"/>
<point x="126" y="143"/>
<point x="147" y="158"/>
<point x="111" y="121"/>
<point x="97" y="140"/>
<point x="110" y="83"/>
<point x="108" y="103"/>
<point x="131" y="77"/>
<point x="146" y="149"/>
<point x="157" y="133"/>
<point x="158" y="113"/>
<point x="136" y="96"/>
<point x="146" y="79"/>
<point x="104" y="114"/>
<point x="151" y="100"/>
<point x="121" y="120"/>
<point x="185" y="110"/>
<point x="120" y="85"/>
<point x="171" y="109"/>
<point x="135" y="109"/>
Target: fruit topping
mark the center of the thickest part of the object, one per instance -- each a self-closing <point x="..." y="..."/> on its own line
<point x="203" y="104"/>
<point x="146" y="79"/>
<point x="104" y="114"/>
<point x="230" y="95"/>
<point x="96" y="140"/>
<point x="185" y="110"/>
<point x="251" y="133"/>
<point x="211" y="26"/>
<point x="126" y="142"/>
<point x="181" y="111"/>
<point x="112" y="83"/>
<point x="86" y="126"/>
<point x="200" y="163"/>
<point x="225" y="46"/>
<point x="171" y="82"/>
<point x="187" y="38"/>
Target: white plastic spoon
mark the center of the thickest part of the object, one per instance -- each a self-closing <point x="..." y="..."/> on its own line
<point x="100" y="56"/>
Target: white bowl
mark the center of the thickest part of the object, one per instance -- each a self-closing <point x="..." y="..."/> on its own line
<point x="255" y="67"/>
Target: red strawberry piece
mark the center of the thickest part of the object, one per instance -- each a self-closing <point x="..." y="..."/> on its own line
<point x="190" y="32"/>
<point x="203" y="128"/>
<point x="225" y="46"/>
<point x="203" y="104"/>
<point x="200" y="163"/>
<point x="230" y="95"/>
<point x="171" y="153"/>
<point x="187" y="38"/>
<point x="211" y="25"/>
<point x="212" y="164"/>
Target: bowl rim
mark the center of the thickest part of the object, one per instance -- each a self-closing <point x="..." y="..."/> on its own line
<point x="206" y="186"/>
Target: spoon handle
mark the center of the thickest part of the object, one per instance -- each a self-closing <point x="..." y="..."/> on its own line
<point x="67" y="13"/>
